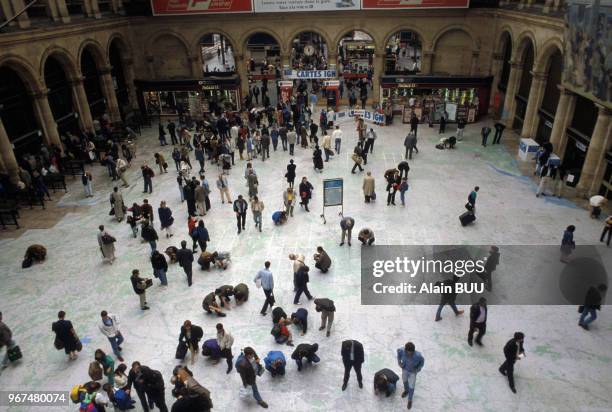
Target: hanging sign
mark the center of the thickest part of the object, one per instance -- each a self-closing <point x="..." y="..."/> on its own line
<point x="166" y="7"/>
<point x="309" y="74"/>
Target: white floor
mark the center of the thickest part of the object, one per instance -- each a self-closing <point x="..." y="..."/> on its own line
<point x="566" y="369"/>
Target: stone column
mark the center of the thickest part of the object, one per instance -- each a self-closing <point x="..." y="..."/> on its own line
<point x="117" y="6"/>
<point x="43" y="113"/>
<point x="91" y="9"/>
<point x="536" y="92"/>
<point x="285" y="60"/>
<point x="563" y="117"/>
<point x="547" y="6"/>
<point x="379" y="69"/>
<point x="556" y="5"/>
<point x="243" y="74"/>
<point x="595" y="153"/>
<point x="7" y="155"/>
<point x="58" y="10"/>
<point x="128" y="74"/>
<point x="474" y="68"/>
<point x="79" y="97"/>
<point x="496" y="67"/>
<point x="108" y="90"/>
<point x="10" y="8"/>
<point x="332" y="58"/>
<point x="516" y="70"/>
<point x="427" y="61"/>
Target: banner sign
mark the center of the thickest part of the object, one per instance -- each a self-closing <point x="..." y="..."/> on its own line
<point x="169" y="7"/>
<point x="309" y="74"/>
<point x="280" y="6"/>
<point x="413" y="4"/>
<point x="332" y="192"/>
<point x="366" y="115"/>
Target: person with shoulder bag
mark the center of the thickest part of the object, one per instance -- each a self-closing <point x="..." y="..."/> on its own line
<point x="140" y="286"/>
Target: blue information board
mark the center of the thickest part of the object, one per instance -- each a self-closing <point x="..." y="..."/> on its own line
<point x="332" y="192"/>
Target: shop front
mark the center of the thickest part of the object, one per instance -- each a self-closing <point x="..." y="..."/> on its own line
<point x="429" y="97"/>
<point x="173" y="98"/>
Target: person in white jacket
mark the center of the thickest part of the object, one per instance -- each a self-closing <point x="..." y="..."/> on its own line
<point x="225" y="341"/>
<point x="298" y="262"/>
<point x="109" y="326"/>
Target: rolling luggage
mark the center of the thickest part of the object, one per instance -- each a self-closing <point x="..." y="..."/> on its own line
<point x="467" y="218"/>
<point x="181" y="351"/>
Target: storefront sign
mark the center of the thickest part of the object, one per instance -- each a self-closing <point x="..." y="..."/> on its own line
<point x="331" y="83"/>
<point x="281" y="6"/>
<point x="407" y="85"/>
<point x="581" y="146"/>
<point x="165" y="7"/>
<point x="309" y="74"/>
<point x="285" y="83"/>
<point x="413" y="4"/>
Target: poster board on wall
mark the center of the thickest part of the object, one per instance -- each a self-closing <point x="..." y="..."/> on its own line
<point x="288" y="6"/>
<point x="177" y="7"/>
<point x="413" y="4"/>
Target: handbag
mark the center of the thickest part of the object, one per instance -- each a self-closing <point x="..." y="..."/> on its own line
<point x="79" y="345"/>
<point x="181" y="350"/>
<point x="244" y="393"/>
<point x="373" y="196"/>
<point x="59" y="345"/>
<point x="148" y="283"/>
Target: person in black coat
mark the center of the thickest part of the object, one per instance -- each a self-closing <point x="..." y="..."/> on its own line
<point x="305" y="350"/>
<point x="153" y="383"/>
<point x="139" y="286"/>
<point x="184" y="257"/>
<point x="352" y="357"/>
<point x="160" y="267"/>
<point x="189" y="195"/>
<point x="478" y="320"/>
<point x="149" y="234"/>
<point x="300" y="319"/>
<point x="278" y="315"/>
<point x="317" y="159"/>
<point x="385" y="380"/>
<point x="403" y="167"/>
<point x="305" y="193"/>
<point x="248" y="374"/>
<point x="513" y="351"/>
<point x="592" y="303"/>
<point x="191" y="336"/>
<point x="490" y="266"/>
<point x="290" y="175"/>
<point x="135" y="378"/>
<point x="64" y="332"/>
<point x="414" y="124"/>
<point x="301" y="283"/>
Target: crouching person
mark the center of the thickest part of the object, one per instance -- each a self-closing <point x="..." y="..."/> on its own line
<point x="210" y="305"/>
<point x="366" y="236"/>
<point x="385" y="381"/>
<point x="275" y="363"/>
<point x="241" y="293"/>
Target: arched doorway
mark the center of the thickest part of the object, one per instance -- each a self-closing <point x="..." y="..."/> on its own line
<point x="550" y="99"/>
<point x="356" y="51"/>
<point x="60" y="97"/>
<point x="91" y="83"/>
<point x="217" y="54"/>
<point x="309" y="51"/>
<point x="264" y="68"/>
<point x="118" y="75"/>
<point x="522" y="94"/>
<point x="504" y="73"/>
<point x="17" y="113"/>
<point x="403" y="53"/>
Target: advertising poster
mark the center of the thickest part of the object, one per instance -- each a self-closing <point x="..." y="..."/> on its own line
<point x="413" y="4"/>
<point x="169" y="7"/>
<point x="280" y="6"/>
<point x="309" y="74"/>
<point x="332" y="192"/>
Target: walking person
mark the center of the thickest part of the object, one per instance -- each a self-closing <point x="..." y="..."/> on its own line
<point x="66" y="336"/>
<point x="472" y="199"/>
<point x="513" y="351"/>
<point x="567" y="243"/>
<point x="357" y="158"/>
<point x="160" y="160"/>
<point x="337" y="136"/>
<point x="116" y="201"/>
<point x="607" y="229"/>
<point x="291" y="139"/>
<point x="199" y="196"/>
<point x="305" y="192"/>
<point x="107" y="244"/>
<point x="149" y="234"/>
<point x="253" y="184"/>
<point x="171" y="126"/>
<point x="140" y="288"/>
<point x="460" y="128"/>
<point x="499" y="129"/>
<point x="317" y="160"/>
<point x="370" y="138"/>
<point x="485" y="131"/>
<point x="160" y="267"/>
<point x="327" y="308"/>
<point x="411" y="363"/>
<point x="199" y="155"/>
<point x="410" y="143"/>
<point x="248" y="367"/>
<point x="165" y="218"/>
<point x="176" y="156"/>
<point x="352" y="358"/>
<point x="478" y="321"/>
<point x="162" y="135"/>
<point x="368" y="187"/>
<point x="592" y="303"/>
<point x="447" y="297"/>
<point x="403" y="189"/>
<point x="121" y="172"/>
<point x="326" y="145"/>
<point x="442" y="129"/>
<point x="240" y="208"/>
<point x="200" y="233"/>
<point x="223" y="187"/>
<point x="265" y="279"/>
<point x="109" y="326"/>
<point x="225" y="341"/>
<point x="414" y="124"/>
<point x="290" y="175"/>
<point x="289" y="197"/>
<point x="190" y="336"/>
<point x="301" y="284"/>
<point x="257" y="207"/>
<point x="86" y="179"/>
<point x="184" y="257"/>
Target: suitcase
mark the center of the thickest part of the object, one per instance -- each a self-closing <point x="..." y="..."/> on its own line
<point x="467" y="218"/>
<point x="14" y="353"/>
<point x="181" y="351"/>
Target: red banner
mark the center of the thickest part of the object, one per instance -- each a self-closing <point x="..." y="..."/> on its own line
<point x="413" y="4"/>
<point x="168" y="7"/>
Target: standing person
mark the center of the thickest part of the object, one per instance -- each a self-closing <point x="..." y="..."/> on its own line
<point x="370" y="138"/>
<point x="134" y="378"/>
<point x="472" y="198"/>
<point x="352" y="357"/>
<point x="165" y="218"/>
<point x="460" y="128"/>
<point x="140" y="288"/>
<point x="490" y="266"/>
<point x="116" y="200"/>
<point x="567" y="243"/>
<point x="368" y="187"/>
<point x="544" y="180"/>
<point x="176" y="156"/>
<point x="266" y="280"/>
<point x="240" y="208"/>
<point x="199" y="155"/>
<point x="172" y="131"/>
<point x="313" y="133"/>
<point x="253" y="184"/>
<point x="200" y="233"/>
<point x="257" y="207"/>
<point x="442" y="124"/>
<point x="6" y="339"/>
<point x="147" y="176"/>
<point x="410" y="143"/>
<point x="107" y="244"/>
<point x="305" y="192"/>
<point x="301" y="284"/>
<point x="289" y="197"/>
<point x="248" y="367"/>
<point x="149" y="234"/>
<point x="346" y="224"/>
<point x="225" y="341"/>
<point x="109" y="326"/>
<point x="184" y="257"/>
<point x="478" y="320"/>
<point x="191" y="336"/>
<point x="499" y="129"/>
<point x="592" y="303"/>
<point x="485" y="131"/>
<point x="337" y="136"/>
<point x="403" y="188"/>
<point x="291" y="139"/>
<point x="199" y="196"/>
<point x="414" y="124"/>
<point x="282" y="133"/>
<point x="153" y="383"/>
<point x="317" y="159"/>
<point x="64" y="333"/>
<point x="357" y="158"/>
<point x="121" y="171"/>
<point x="607" y="229"/>
<point x="290" y="175"/>
<point x="326" y="145"/>
<point x="86" y="179"/>
<point x="223" y="187"/>
<point x="327" y="309"/>
<point x="361" y="131"/>
<point x="160" y="267"/>
<point x="447" y="298"/>
<point x="162" y="135"/>
<point x="189" y="194"/>
<point x="411" y="363"/>
<point x="513" y="351"/>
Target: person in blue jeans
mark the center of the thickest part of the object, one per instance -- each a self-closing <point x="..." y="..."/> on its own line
<point x="592" y="303"/>
<point x="275" y="363"/>
<point x="447" y="298"/>
<point x="249" y="368"/>
<point x="109" y="326"/>
<point x="411" y="363"/>
<point x="305" y="350"/>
